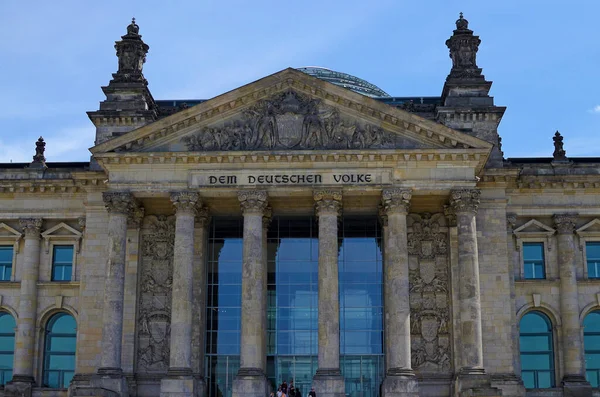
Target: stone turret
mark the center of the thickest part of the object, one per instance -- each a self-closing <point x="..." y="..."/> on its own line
<point x="129" y="104"/>
<point x="466" y="104"/>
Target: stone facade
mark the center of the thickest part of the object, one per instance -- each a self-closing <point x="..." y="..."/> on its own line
<point x="454" y="214"/>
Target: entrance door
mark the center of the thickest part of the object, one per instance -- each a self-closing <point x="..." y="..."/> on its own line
<point x="300" y="369"/>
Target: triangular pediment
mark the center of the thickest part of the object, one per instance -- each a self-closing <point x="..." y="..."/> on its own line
<point x="62" y="232"/>
<point x="532" y="228"/>
<point x="591" y="228"/>
<point x="291" y="110"/>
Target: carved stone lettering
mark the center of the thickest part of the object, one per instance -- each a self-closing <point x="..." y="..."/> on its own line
<point x="429" y="298"/>
<point x="154" y="317"/>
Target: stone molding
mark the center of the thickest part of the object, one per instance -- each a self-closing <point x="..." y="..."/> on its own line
<point x="396" y="200"/>
<point x="565" y="222"/>
<point x="465" y="200"/>
<point x="31" y="227"/>
<point x="328" y="202"/>
<point x="118" y="202"/>
<point x="186" y="202"/>
<point x="253" y="201"/>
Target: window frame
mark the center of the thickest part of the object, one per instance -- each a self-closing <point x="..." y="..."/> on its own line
<point x="553" y="345"/>
<point x="52" y="263"/>
<point x="52" y="238"/>
<point x="12" y="237"/>
<point x="542" y="235"/>
<point x="585" y="350"/>
<point x="13" y="334"/>
<point x="544" y="260"/>
<point x="12" y="263"/>
<point x="583" y="247"/>
<point x="47" y="354"/>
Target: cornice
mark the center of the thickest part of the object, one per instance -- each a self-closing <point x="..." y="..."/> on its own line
<point x="81" y="182"/>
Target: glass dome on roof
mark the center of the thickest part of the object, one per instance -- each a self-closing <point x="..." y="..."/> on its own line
<point x="345" y="80"/>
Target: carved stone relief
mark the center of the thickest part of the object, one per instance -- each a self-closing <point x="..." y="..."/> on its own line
<point x="429" y="297"/>
<point x="291" y="120"/>
<point x="156" y="278"/>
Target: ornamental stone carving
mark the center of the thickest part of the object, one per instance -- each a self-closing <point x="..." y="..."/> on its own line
<point x="202" y="216"/>
<point x="511" y="222"/>
<point x="267" y="216"/>
<point x="31" y="227"/>
<point x="118" y="202"/>
<point x="565" y="223"/>
<point x="465" y="200"/>
<point x="156" y="278"/>
<point x="186" y="201"/>
<point x="291" y="120"/>
<point x="253" y="201"/>
<point x="136" y="216"/>
<point x="396" y="200"/>
<point x="328" y="201"/>
<point x="429" y="293"/>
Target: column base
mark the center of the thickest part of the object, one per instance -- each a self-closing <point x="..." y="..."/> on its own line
<point x="329" y="382"/>
<point x="474" y="382"/>
<point x="400" y="382"/>
<point x="19" y="386"/>
<point x="110" y="380"/>
<point x="576" y="386"/>
<point x="250" y="382"/>
<point x="180" y="382"/>
<point x="510" y="384"/>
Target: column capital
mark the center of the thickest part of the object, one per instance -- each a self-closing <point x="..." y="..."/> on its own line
<point x="185" y="202"/>
<point x="118" y="202"/>
<point x="396" y="200"/>
<point x="253" y="201"/>
<point x="565" y="222"/>
<point x="450" y="215"/>
<point x="465" y="200"/>
<point x="328" y="201"/>
<point x="31" y="227"/>
<point x="136" y="216"/>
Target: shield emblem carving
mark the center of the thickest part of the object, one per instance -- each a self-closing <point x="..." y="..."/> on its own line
<point x="429" y="328"/>
<point x="158" y="327"/>
<point x="289" y="129"/>
<point x="427" y="248"/>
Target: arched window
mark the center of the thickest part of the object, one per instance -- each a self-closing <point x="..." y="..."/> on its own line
<point x="59" y="359"/>
<point x="7" y="346"/>
<point x="537" y="351"/>
<point x="591" y="337"/>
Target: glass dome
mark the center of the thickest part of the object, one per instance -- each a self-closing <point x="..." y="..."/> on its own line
<point x="345" y="80"/>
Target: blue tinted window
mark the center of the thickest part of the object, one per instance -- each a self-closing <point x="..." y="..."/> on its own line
<point x="6" y="259"/>
<point x="537" y="351"/>
<point x="62" y="262"/>
<point x="533" y="261"/>
<point x="59" y="359"/>
<point x="7" y="347"/>
<point x="592" y="250"/>
<point x="591" y="338"/>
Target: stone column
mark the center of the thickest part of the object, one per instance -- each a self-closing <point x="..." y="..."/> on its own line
<point x="266" y="222"/>
<point x="573" y="381"/>
<point x="179" y="380"/>
<point x="400" y="379"/>
<point x="26" y="323"/>
<point x="471" y="376"/>
<point x="328" y="380"/>
<point x="120" y="205"/>
<point x="251" y="380"/>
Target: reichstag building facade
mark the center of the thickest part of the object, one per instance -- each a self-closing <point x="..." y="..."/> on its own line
<point x="306" y="227"/>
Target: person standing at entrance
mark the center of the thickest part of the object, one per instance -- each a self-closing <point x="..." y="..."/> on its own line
<point x="312" y="392"/>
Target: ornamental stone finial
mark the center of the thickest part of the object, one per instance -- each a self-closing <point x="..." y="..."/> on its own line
<point x="396" y="200"/>
<point x="39" y="160"/>
<point x="253" y="201"/>
<point x="328" y="201"/>
<point x="31" y="227"/>
<point x="461" y="22"/>
<point x="565" y="223"/>
<point x="186" y="201"/>
<point x="465" y="200"/>
<point x="463" y="46"/>
<point x="118" y="202"/>
<point x="131" y="51"/>
<point x="559" y="151"/>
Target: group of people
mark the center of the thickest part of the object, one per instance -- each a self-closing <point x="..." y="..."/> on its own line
<point x="291" y="391"/>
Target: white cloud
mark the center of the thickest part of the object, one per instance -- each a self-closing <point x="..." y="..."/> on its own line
<point x="596" y="109"/>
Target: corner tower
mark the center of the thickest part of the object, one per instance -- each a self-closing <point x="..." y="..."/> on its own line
<point x="466" y="104"/>
<point x="129" y="104"/>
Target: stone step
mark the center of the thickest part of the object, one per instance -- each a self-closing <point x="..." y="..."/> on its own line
<point x="88" y="391"/>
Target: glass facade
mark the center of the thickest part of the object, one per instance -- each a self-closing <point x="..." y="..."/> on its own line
<point x="7" y="346"/>
<point x="537" y="351"/>
<point x="591" y="343"/>
<point x="533" y="261"/>
<point x="6" y="260"/>
<point x="592" y="252"/>
<point x="59" y="358"/>
<point x="62" y="262"/>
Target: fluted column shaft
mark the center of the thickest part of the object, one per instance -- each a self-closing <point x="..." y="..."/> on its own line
<point x="25" y="337"/>
<point x="569" y="303"/>
<point x="254" y="284"/>
<point x="395" y="204"/>
<point x="464" y="203"/>
<point x="119" y="205"/>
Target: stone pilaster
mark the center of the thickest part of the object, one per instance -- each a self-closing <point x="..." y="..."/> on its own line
<point x="251" y="379"/>
<point x="574" y="382"/>
<point x="471" y="375"/>
<point x="400" y="380"/>
<point x="120" y="206"/>
<point x="23" y="380"/>
<point x="179" y="380"/>
<point x="328" y="380"/>
<point x="268" y="214"/>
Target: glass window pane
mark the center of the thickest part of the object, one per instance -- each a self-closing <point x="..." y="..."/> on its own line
<point x="534" y="322"/>
<point x="59" y="361"/>
<point x="63" y="254"/>
<point x="592" y="250"/>
<point x="6" y="254"/>
<point x="591" y="342"/>
<point x="535" y="361"/>
<point x="592" y="377"/>
<point x="533" y="251"/>
<point x="528" y="379"/>
<point x="544" y="379"/>
<point x="7" y="324"/>
<point x="591" y="323"/>
<point x="535" y="343"/>
<point x="536" y="346"/>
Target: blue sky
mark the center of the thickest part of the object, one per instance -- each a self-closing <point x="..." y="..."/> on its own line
<point x="543" y="57"/>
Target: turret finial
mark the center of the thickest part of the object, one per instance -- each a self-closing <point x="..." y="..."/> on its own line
<point x="461" y="22"/>
<point x="559" y="152"/>
<point x="39" y="160"/>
